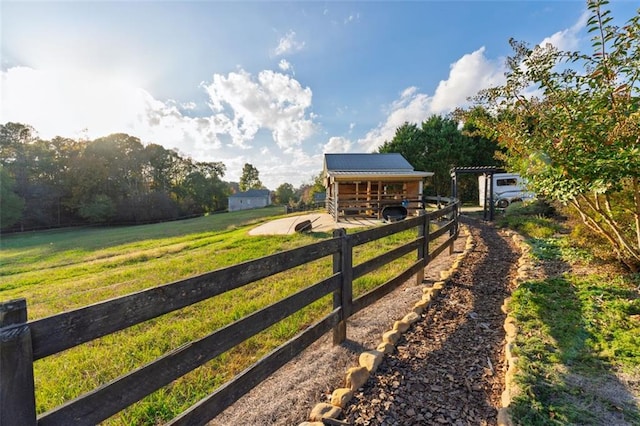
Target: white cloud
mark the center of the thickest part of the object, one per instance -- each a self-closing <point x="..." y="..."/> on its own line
<point x="285" y="65"/>
<point x="567" y="39"/>
<point x="288" y="44"/>
<point x="275" y="102"/>
<point x="412" y="107"/>
<point x="337" y="144"/>
<point x="354" y="17"/>
<point x="79" y="103"/>
<point x="74" y="103"/>
<point x="295" y="167"/>
<point x="467" y="76"/>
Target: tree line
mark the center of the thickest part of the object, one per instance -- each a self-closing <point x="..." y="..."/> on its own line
<point x="113" y="179"/>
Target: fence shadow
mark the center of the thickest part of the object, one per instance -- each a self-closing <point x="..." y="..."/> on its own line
<point x="566" y="382"/>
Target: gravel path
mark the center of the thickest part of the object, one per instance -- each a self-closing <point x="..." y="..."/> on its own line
<point x="448" y="368"/>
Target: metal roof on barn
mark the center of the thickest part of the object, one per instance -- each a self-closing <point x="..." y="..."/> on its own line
<point x="368" y="162"/>
<point x="252" y="193"/>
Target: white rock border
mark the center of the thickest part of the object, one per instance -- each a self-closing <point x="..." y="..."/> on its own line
<point x="369" y="361"/>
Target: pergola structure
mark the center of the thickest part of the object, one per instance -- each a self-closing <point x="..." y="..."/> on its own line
<point x="488" y="172"/>
<point x="364" y="184"/>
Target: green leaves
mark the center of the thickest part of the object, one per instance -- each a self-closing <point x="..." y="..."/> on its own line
<point x="581" y="135"/>
<point x="438" y="145"/>
<point x="115" y="178"/>
<point x="250" y="178"/>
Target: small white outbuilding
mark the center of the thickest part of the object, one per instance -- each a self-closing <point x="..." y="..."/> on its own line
<point x="251" y="199"/>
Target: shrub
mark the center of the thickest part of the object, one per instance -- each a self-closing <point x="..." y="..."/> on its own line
<point x="538" y="207"/>
<point x="532" y="219"/>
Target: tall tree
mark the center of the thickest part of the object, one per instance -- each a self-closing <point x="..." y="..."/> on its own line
<point x="161" y="167"/>
<point x="15" y="139"/>
<point x="439" y="145"/>
<point x="577" y="141"/>
<point x="317" y="186"/>
<point x="284" y="194"/>
<point x="11" y="205"/>
<point x="205" y="187"/>
<point x="250" y="178"/>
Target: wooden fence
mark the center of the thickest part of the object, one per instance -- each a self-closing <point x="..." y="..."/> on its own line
<point x="22" y="342"/>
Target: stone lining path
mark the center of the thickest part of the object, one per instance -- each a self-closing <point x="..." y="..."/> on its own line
<point x="449" y="367"/>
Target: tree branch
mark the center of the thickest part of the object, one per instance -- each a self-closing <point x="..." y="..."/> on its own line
<point x="636" y="199"/>
<point x="622" y="243"/>
<point x="592" y="224"/>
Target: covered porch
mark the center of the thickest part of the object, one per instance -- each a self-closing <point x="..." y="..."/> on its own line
<point x="367" y="196"/>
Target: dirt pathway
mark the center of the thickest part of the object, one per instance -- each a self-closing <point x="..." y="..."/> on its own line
<point x="447" y="367"/>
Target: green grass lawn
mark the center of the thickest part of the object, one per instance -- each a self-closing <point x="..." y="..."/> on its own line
<point x="67" y="269"/>
<point x="579" y="336"/>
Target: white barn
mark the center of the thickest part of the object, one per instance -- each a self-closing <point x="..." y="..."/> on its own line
<point x="251" y="199"/>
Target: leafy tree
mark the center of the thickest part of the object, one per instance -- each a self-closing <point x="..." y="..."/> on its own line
<point x="250" y="178"/>
<point x="11" y="205"/>
<point x="409" y="142"/>
<point x="99" y="210"/>
<point x="35" y="168"/>
<point x="577" y="139"/>
<point x="284" y="194"/>
<point x="114" y="179"/>
<point x="439" y="145"/>
<point x="161" y="168"/>
<point x="317" y="185"/>
<point x="15" y="139"/>
<point x="205" y="187"/>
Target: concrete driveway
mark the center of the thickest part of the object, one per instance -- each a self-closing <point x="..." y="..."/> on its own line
<point x="320" y="222"/>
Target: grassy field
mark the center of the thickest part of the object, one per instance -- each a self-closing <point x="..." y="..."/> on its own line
<point x="579" y="338"/>
<point x="66" y="269"/>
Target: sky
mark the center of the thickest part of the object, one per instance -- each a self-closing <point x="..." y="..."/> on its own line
<point x="273" y="84"/>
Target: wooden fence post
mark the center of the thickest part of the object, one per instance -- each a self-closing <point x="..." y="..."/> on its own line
<point x="423" y="231"/>
<point x="343" y="297"/>
<point x="427" y="237"/>
<point x="454" y="228"/>
<point x="17" y="398"/>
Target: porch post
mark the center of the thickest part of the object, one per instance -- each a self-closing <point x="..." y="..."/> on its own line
<point x="336" y="200"/>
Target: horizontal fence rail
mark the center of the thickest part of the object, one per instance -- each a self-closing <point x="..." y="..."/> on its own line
<point x="23" y="342"/>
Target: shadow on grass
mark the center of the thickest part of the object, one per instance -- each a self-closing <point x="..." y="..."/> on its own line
<point x="563" y="378"/>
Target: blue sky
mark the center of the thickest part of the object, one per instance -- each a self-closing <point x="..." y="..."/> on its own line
<point x="274" y="84"/>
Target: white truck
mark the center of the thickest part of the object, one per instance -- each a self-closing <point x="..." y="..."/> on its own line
<point x="507" y="188"/>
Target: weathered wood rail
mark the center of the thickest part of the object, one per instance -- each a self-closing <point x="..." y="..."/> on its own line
<point x="354" y="205"/>
<point x="22" y="342"/>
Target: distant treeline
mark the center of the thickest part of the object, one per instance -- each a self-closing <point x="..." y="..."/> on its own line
<point x="115" y="179"/>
